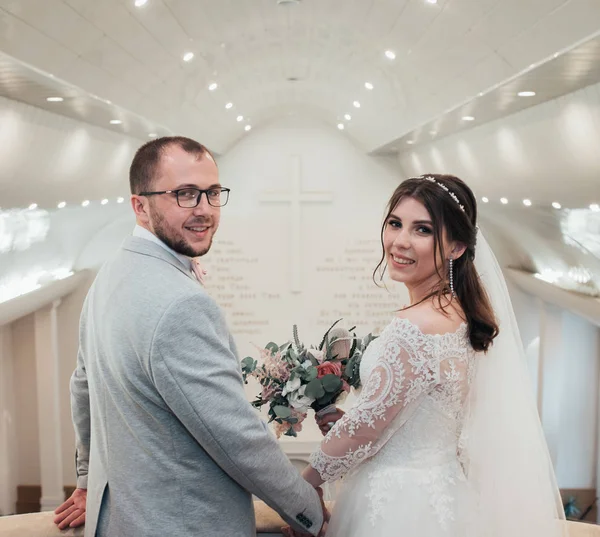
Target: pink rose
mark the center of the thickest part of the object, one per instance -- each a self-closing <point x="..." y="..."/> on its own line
<point x="329" y="368"/>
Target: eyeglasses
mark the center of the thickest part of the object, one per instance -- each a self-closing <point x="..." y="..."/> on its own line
<point x="189" y="198"/>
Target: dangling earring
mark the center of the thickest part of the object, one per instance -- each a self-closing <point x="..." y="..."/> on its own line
<point x="451" y="263"/>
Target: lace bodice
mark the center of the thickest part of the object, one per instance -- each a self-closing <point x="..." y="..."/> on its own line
<point x="411" y="407"/>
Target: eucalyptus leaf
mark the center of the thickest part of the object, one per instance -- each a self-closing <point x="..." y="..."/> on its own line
<point x="314" y="389"/>
<point x="273" y="347"/>
<point x="324" y="401"/>
<point x="282" y="412"/>
<point x="331" y="383"/>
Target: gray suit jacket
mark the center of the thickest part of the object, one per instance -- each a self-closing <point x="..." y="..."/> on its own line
<point x="167" y="443"/>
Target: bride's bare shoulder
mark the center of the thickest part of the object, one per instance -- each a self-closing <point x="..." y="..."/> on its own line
<point x="430" y="319"/>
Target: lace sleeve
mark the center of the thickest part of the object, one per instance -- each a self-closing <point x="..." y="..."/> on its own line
<point x="401" y="376"/>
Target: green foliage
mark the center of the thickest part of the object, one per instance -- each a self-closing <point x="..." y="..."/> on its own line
<point x="248" y="367"/>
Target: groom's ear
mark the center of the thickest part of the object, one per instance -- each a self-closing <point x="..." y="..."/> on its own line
<point x="140" y="208"/>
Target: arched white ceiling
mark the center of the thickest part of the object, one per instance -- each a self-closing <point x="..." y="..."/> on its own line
<point x="446" y="53"/>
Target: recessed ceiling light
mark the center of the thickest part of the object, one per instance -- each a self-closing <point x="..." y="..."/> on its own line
<point x="595" y="207"/>
<point x="390" y="54"/>
<point x="240" y="118"/>
<point x="120" y="200"/>
<point x="526" y="93"/>
<point x="213" y="86"/>
<point x="347" y="117"/>
<point x="247" y="127"/>
<point x="188" y="56"/>
<point x="356" y="104"/>
<point x="62" y="205"/>
<point x="152" y="135"/>
<point x="369" y="86"/>
<point x="504" y="201"/>
<point x="556" y="205"/>
<point x="485" y="200"/>
<point x="410" y="142"/>
<point x="104" y="201"/>
<point x="341" y="126"/>
<point x="55" y="99"/>
<point x="140" y="3"/>
<point x="85" y="203"/>
<point x="527" y="203"/>
<point x="229" y="105"/>
<point x="468" y="118"/>
<point x="432" y="1"/>
<point x="33" y="206"/>
<point x="115" y="122"/>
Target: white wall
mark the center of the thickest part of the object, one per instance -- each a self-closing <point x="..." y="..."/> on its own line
<point x="8" y="424"/>
<point x="46" y="158"/>
<point x="532" y="153"/>
<point x="577" y="449"/>
<point x="28" y="467"/>
<point x="568" y="347"/>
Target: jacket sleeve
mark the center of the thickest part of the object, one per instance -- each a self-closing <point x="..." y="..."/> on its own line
<point x="198" y="375"/>
<point x="80" y="412"/>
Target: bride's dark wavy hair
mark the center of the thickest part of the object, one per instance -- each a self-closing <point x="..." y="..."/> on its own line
<point x="460" y="226"/>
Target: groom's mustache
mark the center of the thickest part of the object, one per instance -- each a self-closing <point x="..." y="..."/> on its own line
<point x="201" y="221"/>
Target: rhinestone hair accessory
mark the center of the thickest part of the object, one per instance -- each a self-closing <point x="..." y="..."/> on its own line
<point x="452" y="194"/>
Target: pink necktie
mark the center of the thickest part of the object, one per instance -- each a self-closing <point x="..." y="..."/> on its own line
<point x="198" y="271"/>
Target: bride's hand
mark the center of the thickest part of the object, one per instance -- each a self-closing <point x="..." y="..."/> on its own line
<point x="327" y="421"/>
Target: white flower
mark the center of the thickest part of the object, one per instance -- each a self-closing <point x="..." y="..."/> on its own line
<point x="317" y="354"/>
<point x="299" y="401"/>
<point x="306" y="364"/>
<point x="291" y="386"/>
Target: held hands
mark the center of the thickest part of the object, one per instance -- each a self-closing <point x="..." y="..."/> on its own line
<point x="327" y="421"/>
<point x="72" y="512"/>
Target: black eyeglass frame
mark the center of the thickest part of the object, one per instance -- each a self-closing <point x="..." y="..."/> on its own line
<point x="198" y="198"/>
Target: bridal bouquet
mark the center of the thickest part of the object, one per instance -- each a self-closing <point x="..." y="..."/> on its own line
<point x="295" y="378"/>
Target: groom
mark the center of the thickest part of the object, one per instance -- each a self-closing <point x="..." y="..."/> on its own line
<point x="167" y="443"/>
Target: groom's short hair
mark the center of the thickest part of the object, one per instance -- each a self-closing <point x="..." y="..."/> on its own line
<point x="146" y="161"/>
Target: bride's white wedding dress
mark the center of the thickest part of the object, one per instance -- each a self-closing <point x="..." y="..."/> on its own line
<point x="407" y="423"/>
<point x="444" y="441"/>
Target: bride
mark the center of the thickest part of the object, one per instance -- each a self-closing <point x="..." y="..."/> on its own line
<point x="444" y="439"/>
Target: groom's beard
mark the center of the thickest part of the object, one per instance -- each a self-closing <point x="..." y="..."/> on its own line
<point x="174" y="239"/>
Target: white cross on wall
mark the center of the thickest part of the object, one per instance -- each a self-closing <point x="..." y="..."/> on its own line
<point x="296" y="197"/>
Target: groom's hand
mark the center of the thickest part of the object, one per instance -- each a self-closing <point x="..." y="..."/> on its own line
<point x="72" y="512"/>
<point x="326" y="422"/>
